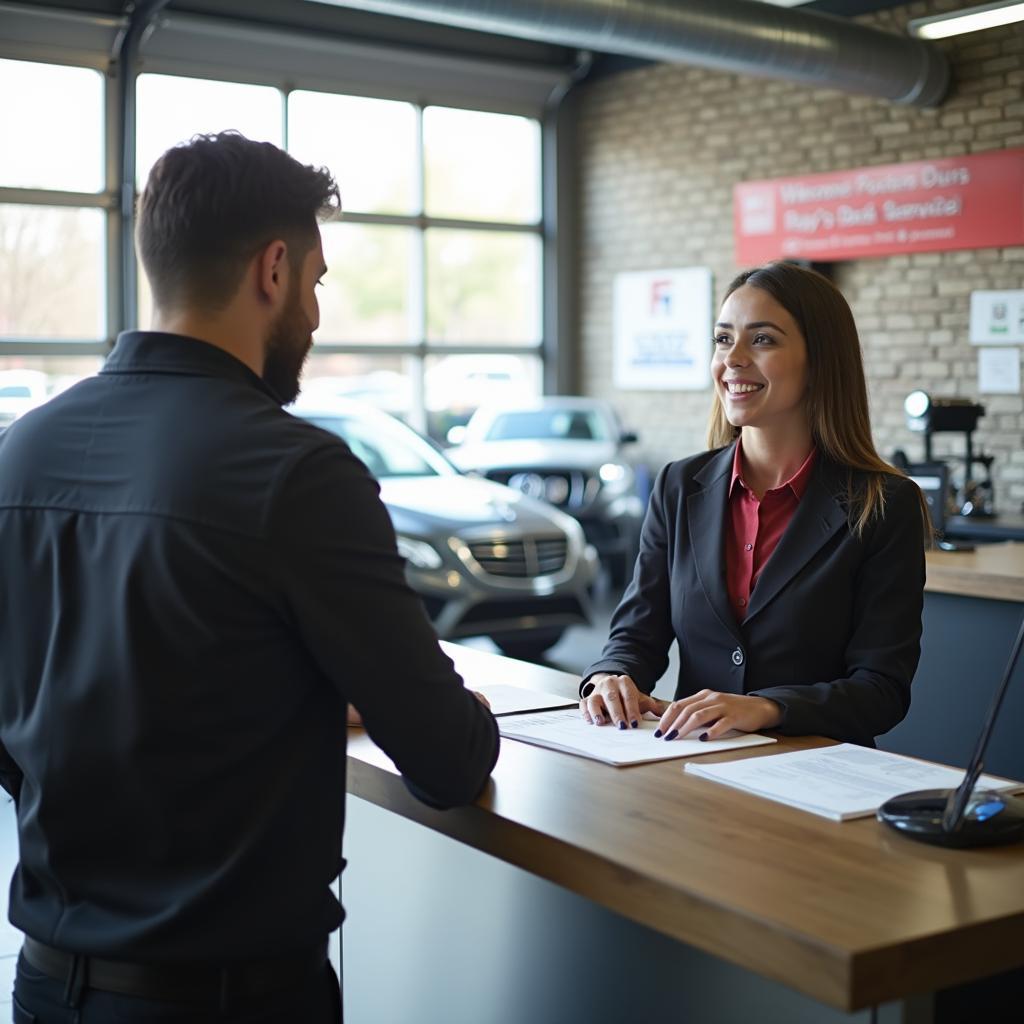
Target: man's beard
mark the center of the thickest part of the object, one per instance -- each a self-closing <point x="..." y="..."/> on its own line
<point x="288" y="344"/>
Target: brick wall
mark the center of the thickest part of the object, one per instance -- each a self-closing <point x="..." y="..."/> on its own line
<point x="661" y="148"/>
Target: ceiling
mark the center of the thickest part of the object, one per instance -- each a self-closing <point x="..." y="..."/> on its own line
<point x="333" y="18"/>
<point x="315" y="15"/>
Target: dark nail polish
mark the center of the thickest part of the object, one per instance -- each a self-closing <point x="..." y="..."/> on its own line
<point x="703" y="737"/>
<point x="672" y="735"/>
<point x="622" y="725"/>
<point x="635" y="724"/>
<point x="657" y="734"/>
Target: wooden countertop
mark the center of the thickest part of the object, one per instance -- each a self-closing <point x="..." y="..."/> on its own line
<point x="990" y="570"/>
<point x="849" y="913"/>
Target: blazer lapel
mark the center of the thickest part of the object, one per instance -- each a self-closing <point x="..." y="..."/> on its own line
<point x="706" y="518"/>
<point x="818" y="516"/>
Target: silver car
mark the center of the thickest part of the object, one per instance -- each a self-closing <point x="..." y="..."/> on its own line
<point x="486" y="560"/>
<point x="570" y="452"/>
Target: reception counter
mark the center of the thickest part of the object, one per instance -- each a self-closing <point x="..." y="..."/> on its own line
<point x="974" y="602"/>
<point x="574" y="891"/>
<point x="990" y="571"/>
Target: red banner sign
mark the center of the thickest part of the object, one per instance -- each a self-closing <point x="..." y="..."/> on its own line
<point x="969" y="202"/>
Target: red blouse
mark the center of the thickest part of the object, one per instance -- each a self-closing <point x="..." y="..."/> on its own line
<point x="756" y="527"/>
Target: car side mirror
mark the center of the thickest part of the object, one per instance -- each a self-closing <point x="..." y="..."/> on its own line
<point x="628" y="437"/>
<point x="456" y="435"/>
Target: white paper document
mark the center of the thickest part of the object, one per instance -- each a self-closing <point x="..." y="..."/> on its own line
<point x="568" y="732"/>
<point x="840" y="782"/>
<point x="510" y="700"/>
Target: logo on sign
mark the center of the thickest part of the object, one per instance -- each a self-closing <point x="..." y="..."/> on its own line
<point x="661" y="298"/>
<point x="757" y="212"/>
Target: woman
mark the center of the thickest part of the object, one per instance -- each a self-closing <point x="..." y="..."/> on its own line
<point x="788" y="561"/>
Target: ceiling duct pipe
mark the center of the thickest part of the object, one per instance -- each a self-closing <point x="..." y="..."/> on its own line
<point x="740" y="36"/>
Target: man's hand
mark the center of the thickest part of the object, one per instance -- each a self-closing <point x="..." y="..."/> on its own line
<point x="714" y="714"/>
<point x="480" y="697"/>
<point x="616" y="700"/>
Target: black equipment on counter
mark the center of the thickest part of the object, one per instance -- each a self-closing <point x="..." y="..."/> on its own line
<point x="928" y="415"/>
<point x="962" y="817"/>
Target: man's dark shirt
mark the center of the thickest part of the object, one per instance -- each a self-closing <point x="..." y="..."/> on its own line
<point x="195" y="584"/>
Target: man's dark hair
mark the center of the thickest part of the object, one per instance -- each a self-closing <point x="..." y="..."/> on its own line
<point x="212" y="203"/>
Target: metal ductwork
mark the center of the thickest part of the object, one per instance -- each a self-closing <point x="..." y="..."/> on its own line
<point x="741" y="36"/>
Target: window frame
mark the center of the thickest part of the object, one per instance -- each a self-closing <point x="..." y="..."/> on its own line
<point x="107" y="200"/>
<point x="519" y="88"/>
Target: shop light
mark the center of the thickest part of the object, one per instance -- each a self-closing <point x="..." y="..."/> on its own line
<point x="970" y="19"/>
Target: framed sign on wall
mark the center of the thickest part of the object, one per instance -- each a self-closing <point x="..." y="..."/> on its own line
<point x="997" y="318"/>
<point x="662" y="329"/>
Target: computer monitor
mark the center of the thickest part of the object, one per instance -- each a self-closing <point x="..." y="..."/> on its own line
<point x="933" y="479"/>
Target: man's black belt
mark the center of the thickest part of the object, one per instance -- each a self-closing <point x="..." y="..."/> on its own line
<point x="186" y="983"/>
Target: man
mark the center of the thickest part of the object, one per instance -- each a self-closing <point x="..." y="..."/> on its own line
<point x="196" y="587"/>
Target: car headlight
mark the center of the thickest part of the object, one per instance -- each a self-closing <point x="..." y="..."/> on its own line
<point x="556" y="490"/>
<point x="419" y="553"/>
<point x="616" y="478"/>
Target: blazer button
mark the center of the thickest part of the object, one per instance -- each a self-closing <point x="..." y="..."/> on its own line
<point x="737" y="656"/>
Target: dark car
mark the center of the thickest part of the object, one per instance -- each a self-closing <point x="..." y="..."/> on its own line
<point x="570" y="452"/>
<point x="487" y="560"/>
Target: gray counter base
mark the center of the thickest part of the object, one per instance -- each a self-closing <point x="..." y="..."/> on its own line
<point x="439" y="933"/>
<point x="964" y="650"/>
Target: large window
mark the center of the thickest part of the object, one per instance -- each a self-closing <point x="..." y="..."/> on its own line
<point x="51" y="123"/>
<point x="433" y="299"/>
<point x="437" y="254"/>
<point x="51" y="272"/>
<point x="53" y="253"/>
<point x="172" y="110"/>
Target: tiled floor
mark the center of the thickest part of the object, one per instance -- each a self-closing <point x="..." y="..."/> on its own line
<point x="573" y="653"/>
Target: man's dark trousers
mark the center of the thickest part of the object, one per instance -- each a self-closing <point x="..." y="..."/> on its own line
<point x="40" y="999"/>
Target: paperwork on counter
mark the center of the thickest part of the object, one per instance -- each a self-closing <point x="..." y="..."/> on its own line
<point x="838" y="782"/>
<point x="512" y="700"/>
<point x="568" y="732"/>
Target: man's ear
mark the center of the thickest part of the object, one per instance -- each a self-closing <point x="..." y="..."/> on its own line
<point x="272" y="272"/>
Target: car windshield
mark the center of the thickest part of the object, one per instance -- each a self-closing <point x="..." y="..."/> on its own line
<point x="548" y="425"/>
<point x="387" y="449"/>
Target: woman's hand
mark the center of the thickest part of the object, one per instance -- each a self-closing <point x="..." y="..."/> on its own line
<point x="714" y="714"/>
<point x="616" y="700"/>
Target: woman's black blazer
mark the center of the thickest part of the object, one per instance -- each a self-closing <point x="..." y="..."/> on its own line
<point x="833" y="629"/>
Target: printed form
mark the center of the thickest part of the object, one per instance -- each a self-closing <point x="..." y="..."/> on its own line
<point x="567" y="731"/>
<point x="506" y="699"/>
<point x="840" y="782"/>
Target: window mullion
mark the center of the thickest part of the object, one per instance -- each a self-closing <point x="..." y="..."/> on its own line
<point x="113" y="143"/>
<point x="418" y="286"/>
<point x="56" y="197"/>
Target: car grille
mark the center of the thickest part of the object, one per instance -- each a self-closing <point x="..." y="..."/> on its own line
<point x="521" y="559"/>
<point x="566" y="488"/>
<point x="549" y="610"/>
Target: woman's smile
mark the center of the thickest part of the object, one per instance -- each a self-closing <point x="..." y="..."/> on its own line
<point x="760" y="361"/>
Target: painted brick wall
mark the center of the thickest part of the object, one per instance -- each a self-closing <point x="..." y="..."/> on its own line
<point x="661" y="148"/>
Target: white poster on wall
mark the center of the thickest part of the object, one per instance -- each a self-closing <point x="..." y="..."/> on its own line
<point x="997" y="318"/>
<point x="662" y="329"/>
<point x="999" y="371"/>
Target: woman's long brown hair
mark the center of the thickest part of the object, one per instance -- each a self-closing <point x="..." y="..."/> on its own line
<point x="837" y="397"/>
